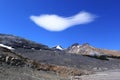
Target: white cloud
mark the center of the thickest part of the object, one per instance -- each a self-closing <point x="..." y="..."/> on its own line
<point x="58" y="23"/>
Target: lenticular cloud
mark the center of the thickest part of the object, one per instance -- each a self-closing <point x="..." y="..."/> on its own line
<point x="58" y="23"/>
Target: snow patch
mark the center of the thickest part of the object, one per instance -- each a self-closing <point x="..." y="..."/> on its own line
<point x="5" y="46"/>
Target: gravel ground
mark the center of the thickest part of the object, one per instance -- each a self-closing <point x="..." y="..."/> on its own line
<point x="8" y="72"/>
<point x="25" y="73"/>
<point x="106" y="75"/>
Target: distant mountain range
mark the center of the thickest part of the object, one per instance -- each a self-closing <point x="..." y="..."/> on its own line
<point x="74" y="60"/>
<point x="88" y="50"/>
<point x="76" y="48"/>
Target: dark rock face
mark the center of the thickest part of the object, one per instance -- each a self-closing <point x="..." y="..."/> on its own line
<point x="75" y="44"/>
<point x="17" y="42"/>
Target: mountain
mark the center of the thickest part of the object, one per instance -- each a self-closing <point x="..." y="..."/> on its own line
<point x="58" y="47"/>
<point x="17" y="42"/>
<point x="89" y="50"/>
<point x="27" y="60"/>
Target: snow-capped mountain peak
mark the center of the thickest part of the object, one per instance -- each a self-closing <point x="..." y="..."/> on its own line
<point x="59" y="47"/>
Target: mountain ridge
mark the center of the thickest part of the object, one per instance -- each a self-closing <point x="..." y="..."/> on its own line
<point x="18" y="42"/>
<point x="89" y="50"/>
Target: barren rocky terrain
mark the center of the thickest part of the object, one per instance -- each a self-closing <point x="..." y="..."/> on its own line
<point x="21" y="59"/>
<point x="105" y="75"/>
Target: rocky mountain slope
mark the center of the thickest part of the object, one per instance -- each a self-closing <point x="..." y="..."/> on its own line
<point x="17" y="42"/>
<point x="27" y="60"/>
<point x="89" y="50"/>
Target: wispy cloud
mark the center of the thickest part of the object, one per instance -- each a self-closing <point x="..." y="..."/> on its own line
<point x="58" y="23"/>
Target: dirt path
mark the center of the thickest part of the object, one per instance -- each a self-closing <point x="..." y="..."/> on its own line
<point x="106" y="75"/>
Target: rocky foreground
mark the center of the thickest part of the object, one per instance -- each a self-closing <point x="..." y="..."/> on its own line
<point x="21" y="59"/>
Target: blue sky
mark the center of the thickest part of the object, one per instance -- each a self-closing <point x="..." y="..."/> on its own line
<point x="102" y="32"/>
